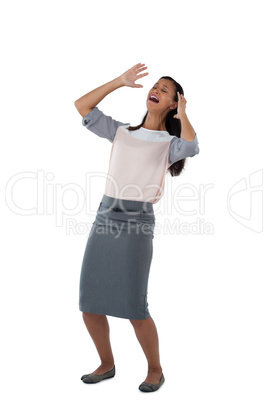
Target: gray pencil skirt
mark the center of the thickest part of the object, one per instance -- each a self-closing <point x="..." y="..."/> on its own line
<point x="117" y="259"/>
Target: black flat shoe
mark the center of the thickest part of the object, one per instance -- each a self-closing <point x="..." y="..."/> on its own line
<point x="94" y="378"/>
<point x="148" y="387"/>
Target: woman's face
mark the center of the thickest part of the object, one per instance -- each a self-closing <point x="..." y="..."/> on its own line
<point x="161" y="96"/>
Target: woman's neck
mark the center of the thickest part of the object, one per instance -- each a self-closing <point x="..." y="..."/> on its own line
<point x="154" y="122"/>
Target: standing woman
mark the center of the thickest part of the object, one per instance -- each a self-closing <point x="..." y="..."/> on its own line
<point x="119" y="249"/>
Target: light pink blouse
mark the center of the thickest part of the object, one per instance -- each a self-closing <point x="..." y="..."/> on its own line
<point x="139" y="159"/>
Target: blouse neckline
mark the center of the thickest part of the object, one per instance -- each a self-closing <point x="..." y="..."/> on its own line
<point x="156" y="131"/>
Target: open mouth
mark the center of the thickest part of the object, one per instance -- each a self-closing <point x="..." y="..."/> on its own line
<point x="154" y="99"/>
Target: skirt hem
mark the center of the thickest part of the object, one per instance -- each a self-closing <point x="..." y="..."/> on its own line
<point x="88" y="310"/>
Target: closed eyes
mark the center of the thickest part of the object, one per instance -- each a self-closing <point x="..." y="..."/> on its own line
<point x="162" y="89"/>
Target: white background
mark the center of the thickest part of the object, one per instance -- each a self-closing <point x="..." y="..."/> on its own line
<point x="208" y="285"/>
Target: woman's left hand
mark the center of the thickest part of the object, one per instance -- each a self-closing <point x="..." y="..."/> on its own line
<point x="181" y="106"/>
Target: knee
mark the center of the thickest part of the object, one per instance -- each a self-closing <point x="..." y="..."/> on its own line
<point x="137" y="323"/>
<point x="91" y="316"/>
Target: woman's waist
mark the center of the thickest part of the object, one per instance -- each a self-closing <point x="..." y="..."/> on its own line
<point x="127" y="205"/>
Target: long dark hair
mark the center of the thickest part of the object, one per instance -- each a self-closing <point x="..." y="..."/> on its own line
<point x="173" y="126"/>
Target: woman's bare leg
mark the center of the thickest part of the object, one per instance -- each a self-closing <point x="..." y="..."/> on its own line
<point x="146" y="333"/>
<point x="98" y="328"/>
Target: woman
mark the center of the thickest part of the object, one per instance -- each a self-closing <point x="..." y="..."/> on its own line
<point x="119" y="250"/>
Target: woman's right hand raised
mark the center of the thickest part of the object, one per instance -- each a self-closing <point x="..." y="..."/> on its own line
<point x="130" y="76"/>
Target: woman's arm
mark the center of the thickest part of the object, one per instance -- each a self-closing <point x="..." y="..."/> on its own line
<point x="86" y="103"/>
<point x="187" y="130"/>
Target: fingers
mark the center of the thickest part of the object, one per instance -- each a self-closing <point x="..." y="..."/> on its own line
<point x="140" y="69"/>
<point x="137" y="69"/>
<point x="142" y="75"/>
<point x="138" y="65"/>
<point x="181" y="97"/>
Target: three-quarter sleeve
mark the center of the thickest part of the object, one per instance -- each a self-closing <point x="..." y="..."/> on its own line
<point x="100" y="124"/>
<point x="180" y="149"/>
